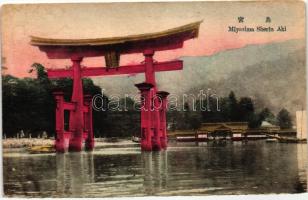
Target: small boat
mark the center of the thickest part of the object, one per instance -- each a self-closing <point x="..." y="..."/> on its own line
<point x="271" y="140"/>
<point x="292" y="140"/>
<point x="41" y="149"/>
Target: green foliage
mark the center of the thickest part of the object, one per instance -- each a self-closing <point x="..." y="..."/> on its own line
<point x="117" y="124"/>
<point x="232" y="107"/>
<point x="254" y="121"/>
<point x="246" y="110"/>
<point x="41" y="73"/>
<point x="284" y="119"/>
<point x="267" y="115"/>
<point x="229" y="109"/>
<point x="28" y="105"/>
<point x="25" y="106"/>
<point x="124" y="123"/>
<point x="195" y="120"/>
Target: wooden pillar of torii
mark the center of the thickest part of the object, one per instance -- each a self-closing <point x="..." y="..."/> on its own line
<point x="66" y="139"/>
<point x="153" y="110"/>
<point x="153" y="118"/>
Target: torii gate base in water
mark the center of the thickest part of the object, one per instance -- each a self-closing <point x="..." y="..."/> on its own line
<point x="66" y="139"/>
<point x="154" y="102"/>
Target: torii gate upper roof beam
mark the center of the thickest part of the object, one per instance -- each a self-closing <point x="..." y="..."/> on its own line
<point x="159" y="41"/>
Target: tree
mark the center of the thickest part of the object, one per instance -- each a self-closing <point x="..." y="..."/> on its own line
<point x="41" y="73"/>
<point x="232" y="107"/>
<point x="284" y="119"/>
<point x="195" y="120"/>
<point x="267" y="115"/>
<point x="28" y="103"/>
<point x="245" y="109"/>
<point x="254" y="121"/>
<point x="214" y="114"/>
<point x="27" y="106"/>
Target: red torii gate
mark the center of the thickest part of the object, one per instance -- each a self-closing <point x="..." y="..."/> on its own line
<point x="153" y="121"/>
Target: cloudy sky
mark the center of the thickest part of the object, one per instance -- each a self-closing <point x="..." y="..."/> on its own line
<point x="121" y="19"/>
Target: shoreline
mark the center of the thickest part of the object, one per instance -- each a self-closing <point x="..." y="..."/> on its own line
<point x="14" y="143"/>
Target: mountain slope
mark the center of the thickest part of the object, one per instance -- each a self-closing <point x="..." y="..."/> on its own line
<point x="274" y="84"/>
<point x="273" y="74"/>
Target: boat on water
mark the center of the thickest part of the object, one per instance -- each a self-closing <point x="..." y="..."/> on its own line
<point x="292" y="140"/>
<point x="42" y="149"/>
<point x="271" y="140"/>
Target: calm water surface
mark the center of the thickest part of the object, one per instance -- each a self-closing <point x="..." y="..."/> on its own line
<point x="184" y="169"/>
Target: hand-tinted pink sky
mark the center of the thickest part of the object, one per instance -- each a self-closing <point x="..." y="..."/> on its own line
<point x="120" y="19"/>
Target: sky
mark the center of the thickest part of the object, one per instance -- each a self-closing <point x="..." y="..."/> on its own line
<point x="99" y="20"/>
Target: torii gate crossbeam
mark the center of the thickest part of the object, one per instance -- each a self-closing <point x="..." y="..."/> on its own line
<point x="104" y="71"/>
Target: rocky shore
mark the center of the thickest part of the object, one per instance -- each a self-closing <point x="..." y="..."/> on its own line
<point x="25" y="142"/>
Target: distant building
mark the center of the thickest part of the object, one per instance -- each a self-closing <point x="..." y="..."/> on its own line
<point x="234" y="130"/>
<point x="212" y="131"/>
<point x="269" y="128"/>
<point x="301" y="124"/>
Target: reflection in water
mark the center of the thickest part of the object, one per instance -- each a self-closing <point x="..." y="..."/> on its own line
<point x="302" y="168"/>
<point x="155" y="171"/>
<point x="148" y="172"/>
<point x="184" y="169"/>
<point x="73" y="171"/>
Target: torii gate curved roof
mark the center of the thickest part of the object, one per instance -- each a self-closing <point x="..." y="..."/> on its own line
<point x="159" y="41"/>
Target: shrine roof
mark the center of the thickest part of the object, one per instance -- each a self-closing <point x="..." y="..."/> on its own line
<point x="191" y="30"/>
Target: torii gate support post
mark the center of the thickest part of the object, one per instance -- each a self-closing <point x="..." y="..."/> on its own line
<point x="163" y="122"/>
<point x="146" y="116"/>
<point x="77" y="116"/>
<point x="89" y="143"/>
<point x="155" y="103"/>
<point x="61" y="140"/>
